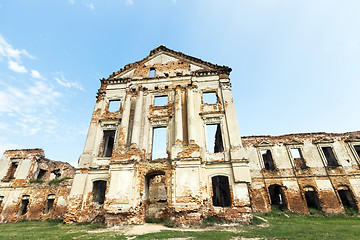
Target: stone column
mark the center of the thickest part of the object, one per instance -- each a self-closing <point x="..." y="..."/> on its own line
<point x="178" y="116"/>
<point x="124" y="126"/>
<point x="191" y="115"/>
<point x="230" y="115"/>
<point x="135" y="137"/>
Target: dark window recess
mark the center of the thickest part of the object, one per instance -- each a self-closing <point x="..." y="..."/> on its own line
<point x="152" y="72"/>
<point x="209" y="98"/>
<point x="99" y="188"/>
<point x="357" y="149"/>
<point x="157" y="189"/>
<point x="221" y="191"/>
<point x="109" y="137"/>
<point x="12" y="170"/>
<point x="312" y="200"/>
<point x="214" y="138"/>
<point x="347" y="199"/>
<point x="159" y="143"/>
<point x="268" y="160"/>
<point x="161" y="100"/>
<point x="49" y="203"/>
<point x="1" y="200"/>
<point x="57" y="173"/>
<point x="114" y="105"/>
<point x="277" y="197"/>
<point x="299" y="160"/>
<point x="41" y="174"/>
<point x="330" y="157"/>
<point x="24" y="204"/>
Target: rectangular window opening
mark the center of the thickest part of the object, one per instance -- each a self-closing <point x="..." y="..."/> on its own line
<point x="99" y="189"/>
<point x="221" y="191"/>
<point x="268" y="159"/>
<point x="41" y="174"/>
<point x="109" y="137"/>
<point x="12" y="170"/>
<point x="49" y="203"/>
<point x="161" y="100"/>
<point x="209" y="98"/>
<point x="299" y="160"/>
<point x="214" y="138"/>
<point x="159" y="143"/>
<point x="114" y="105"/>
<point x="357" y="149"/>
<point x="330" y="156"/>
<point x="152" y="72"/>
<point x="24" y="204"/>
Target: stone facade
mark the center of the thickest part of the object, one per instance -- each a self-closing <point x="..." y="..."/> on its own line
<point x="121" y="153"/>
<point x="33" y="187"/>
<point x="163" y="142"/>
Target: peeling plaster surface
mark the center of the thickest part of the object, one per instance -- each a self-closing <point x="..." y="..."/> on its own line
<point x="180" y="186"/>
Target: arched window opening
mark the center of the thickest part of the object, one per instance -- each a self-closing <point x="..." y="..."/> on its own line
<point x="49" y="203"/>
<point x="24" y="205"/>
<point x="347" y="199"/>
<point x="99" y="189"/>
<point x="312" y="199"/>
<point x="221" y="191"/>
<point x="155" y="195"/>
<point x="277" y="196"/>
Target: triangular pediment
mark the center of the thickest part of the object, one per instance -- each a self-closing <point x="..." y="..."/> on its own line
<point x="323" y="140"/>
<point x="264" y="143"/>
<point x="293" y="142"/>
<point x="167" y="63"/>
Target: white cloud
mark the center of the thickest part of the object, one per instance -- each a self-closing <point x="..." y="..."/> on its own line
<point x="129" y="2"/>
<point x="16" y="67"/>
<point x="36" y="74"/>
<point x="62" y="81"/>
<point x="72" y="1"/>
<point x="174" y="1"/>
<point x="5" y="145"/>
<point x="91" y="6"/>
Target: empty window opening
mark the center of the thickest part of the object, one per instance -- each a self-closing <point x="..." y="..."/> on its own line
<point x="152" y="72"/>
<point x="41" y="174"/>
<point x="109" y="137"/>
<point x="347" y="198"/>
<point x="221" y="191"/>
<point x="330" y="156"/>
<point x="49" y="203"/>
<point x="24" y="205"/>
<point x="214" y="138"/>
<point x="161" y="100"/>
<point x="12" y="170"/>
<point x="166" y="75"/>
<point x="159" y="143"/>
<point x="277" y="196"/>
<point x="1" y="200"/>
<point x="114" y="105"/>
<point x="357" y="149"/>
<point x="209" y="98"/>
<point x="99" y="189"/>
<point x="311" y="197"/>
<point x="299" y="160"/>
<point x="56" y="174"/>
<point x="155" y="195"/>
<point x="268" y="159"/>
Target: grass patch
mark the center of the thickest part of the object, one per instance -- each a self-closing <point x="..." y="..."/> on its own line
<point x="57" y="181"/>
<point x="36" y="181"/>
<point x="281" y="225"/>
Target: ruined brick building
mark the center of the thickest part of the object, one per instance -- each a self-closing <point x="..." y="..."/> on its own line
<point x="163" y="142"/>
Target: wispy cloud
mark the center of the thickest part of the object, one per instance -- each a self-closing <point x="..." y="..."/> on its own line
<point x="16" y="67"/>
<point x="72" y="1"/>
<point x="36" y="74"/>
<point x="91" y="6"/>
<point x="62" y="81"/>
<point x="129" y="2"/>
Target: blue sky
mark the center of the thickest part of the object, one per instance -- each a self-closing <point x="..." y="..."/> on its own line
<point x="295" y="63"/>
